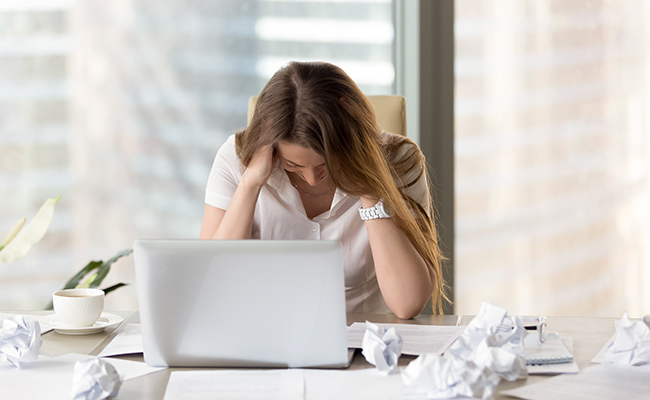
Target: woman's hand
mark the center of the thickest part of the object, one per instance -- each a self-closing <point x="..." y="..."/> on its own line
<point x="237" y="221"/>
<point x="260" y="167"/>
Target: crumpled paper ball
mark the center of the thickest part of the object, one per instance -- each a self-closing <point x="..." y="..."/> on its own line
<point x="438" y="377"/>
<point x="382" y="348"/>
<point x="495" y="341"/>
<point x="631" y="344"/>
<point x="490" y="348"/>
<point x="20" y="340"/>
<point x="95" y="379"/>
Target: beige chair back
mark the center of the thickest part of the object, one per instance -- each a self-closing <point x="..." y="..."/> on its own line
<point x="389" y="109"/>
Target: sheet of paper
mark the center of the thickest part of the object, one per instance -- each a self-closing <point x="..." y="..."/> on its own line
<point x="418" y="339"/>
<point x="600" y="356"/>
<point x="54" y="376"/>
<point x="242" y="384"/>
<point x="283" y="384"/>
<point x="132" y="369"/>
<point x="599" y="382"/>
<point x="28" y="317"/>
<point x="127" y="341"/>
<point x="363" y="384"/>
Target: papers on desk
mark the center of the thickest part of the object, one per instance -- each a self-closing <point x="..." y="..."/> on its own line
<point x="282" y="384"/>
<point x="599" y="358"/>
<point x="54" y="376"/>
<point x="369" y="384"/>
<point x="127" y="341"/>
<point x="600" y="382"/>
<point x="418" y="339"/>
<point x="312" y="384"/>
<point x="236" y="384"/>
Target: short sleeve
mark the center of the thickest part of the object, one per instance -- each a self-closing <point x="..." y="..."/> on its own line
<point x="225" y="176"/>
<point x="415" y="179"/>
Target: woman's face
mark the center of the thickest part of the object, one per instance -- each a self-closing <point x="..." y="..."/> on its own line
<point x="303" y="162"/>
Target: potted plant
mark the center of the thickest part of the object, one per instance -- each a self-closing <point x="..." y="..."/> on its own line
<point x="23" y="237"/>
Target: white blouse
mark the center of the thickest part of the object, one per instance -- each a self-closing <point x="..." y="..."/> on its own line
<point x="279" y="214"/>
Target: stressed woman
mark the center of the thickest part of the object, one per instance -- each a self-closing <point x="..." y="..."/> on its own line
<point x="313" y="164"/>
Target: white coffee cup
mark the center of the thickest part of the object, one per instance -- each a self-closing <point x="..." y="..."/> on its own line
<point x="78" y="307"/>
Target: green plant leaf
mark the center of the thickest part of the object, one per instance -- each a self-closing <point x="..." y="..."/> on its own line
<point x="111" y="288"/>
<point x="76" y="278"/>
<point x="102" y="267"/>
<point x="105" y="268"/>
<point x="29" y="235"/>
<point x="86" y="284"/>
<point x="74" y="281"/>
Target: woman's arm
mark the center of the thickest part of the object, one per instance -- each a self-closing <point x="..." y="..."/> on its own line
<point x="405" y="280"/>
<point x="237" y="221"/>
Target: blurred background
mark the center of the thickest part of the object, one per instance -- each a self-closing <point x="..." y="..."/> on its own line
<point x="120" y="107"/>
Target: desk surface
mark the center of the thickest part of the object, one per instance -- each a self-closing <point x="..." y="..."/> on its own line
<point x="589" y="335"/>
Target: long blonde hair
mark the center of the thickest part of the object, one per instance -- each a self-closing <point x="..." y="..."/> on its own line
<point x="318" y="106"/>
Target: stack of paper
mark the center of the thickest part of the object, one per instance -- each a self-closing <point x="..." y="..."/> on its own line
<point x="418" y="339"/>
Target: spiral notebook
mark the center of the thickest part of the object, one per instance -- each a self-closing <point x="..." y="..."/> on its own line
<point x="552" y="351"/>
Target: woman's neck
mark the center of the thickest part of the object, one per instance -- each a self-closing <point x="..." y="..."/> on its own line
<point x="322" y="189"/>
<point x="318" y="199"/>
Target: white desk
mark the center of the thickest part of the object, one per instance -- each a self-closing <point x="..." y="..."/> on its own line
<point x="589" y="335"/>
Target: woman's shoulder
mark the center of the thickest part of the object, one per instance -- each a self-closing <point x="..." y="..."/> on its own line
<point x="399" y="148"/>
<point x="227" y="150"/>
<point x="226" y="158"/>
<point x="408" y="164"/>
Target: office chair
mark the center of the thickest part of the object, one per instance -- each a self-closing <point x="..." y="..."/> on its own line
<point x="390" y="111"/>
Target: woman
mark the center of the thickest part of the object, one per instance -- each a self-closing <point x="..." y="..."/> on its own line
<point x="313" y="164"/>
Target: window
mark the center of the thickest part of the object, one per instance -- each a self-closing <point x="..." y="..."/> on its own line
<point x="552" y="115"/>
<point x="120" y="108"/>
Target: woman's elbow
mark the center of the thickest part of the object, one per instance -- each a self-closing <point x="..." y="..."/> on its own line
<point x="407" y="311"/>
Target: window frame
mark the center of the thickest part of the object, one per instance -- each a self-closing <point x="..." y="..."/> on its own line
<point x="424" y="65"/>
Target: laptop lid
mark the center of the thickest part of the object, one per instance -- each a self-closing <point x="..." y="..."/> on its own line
<point x="244" y="303"/>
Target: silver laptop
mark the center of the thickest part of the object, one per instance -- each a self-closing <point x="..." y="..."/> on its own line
<point x="244" y="303"/>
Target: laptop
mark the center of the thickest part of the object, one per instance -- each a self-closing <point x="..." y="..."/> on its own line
<point x="243" y="303"/>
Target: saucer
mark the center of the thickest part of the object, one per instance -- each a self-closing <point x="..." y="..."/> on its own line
<point x="106" y="320"/>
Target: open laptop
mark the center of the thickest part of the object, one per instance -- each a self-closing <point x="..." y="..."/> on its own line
<point x="244" y="303"/>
